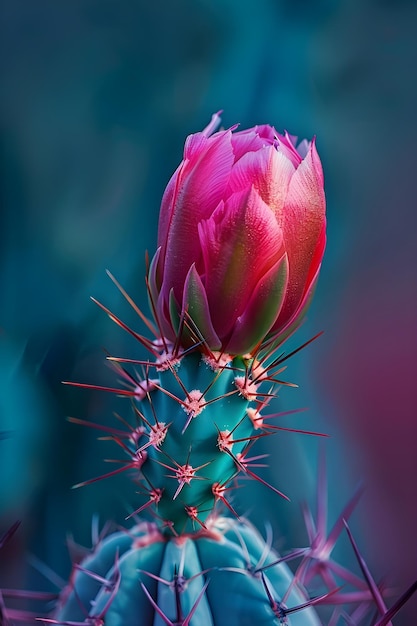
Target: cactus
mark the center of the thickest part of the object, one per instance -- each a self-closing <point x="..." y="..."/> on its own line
<point x="201" y="403"/>
<point x="197" y="415"/>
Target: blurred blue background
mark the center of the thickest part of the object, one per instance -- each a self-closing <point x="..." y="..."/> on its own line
<point x="96" y="100"/>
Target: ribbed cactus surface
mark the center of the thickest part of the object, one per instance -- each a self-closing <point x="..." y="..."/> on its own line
<point x="197" y="425"/>
<point x="197" y="418"/>
<point x="226" y="575"/>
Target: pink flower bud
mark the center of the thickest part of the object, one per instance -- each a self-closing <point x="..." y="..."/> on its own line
<point x="241" y="237"/>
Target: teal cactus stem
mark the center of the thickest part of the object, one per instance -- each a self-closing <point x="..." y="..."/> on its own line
<point x="225" y="576"/>
<point x="197" y="418"/>
<point x="192" y="454"/>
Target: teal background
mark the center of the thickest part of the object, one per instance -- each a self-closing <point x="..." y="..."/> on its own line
<point x="97" y="97"/>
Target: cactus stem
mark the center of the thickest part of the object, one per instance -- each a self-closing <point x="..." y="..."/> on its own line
<point x="242" y="419"/>
<point x="187" y="403"/>
<point x="213" y="381"/>
<point x="222" y="396"/>
<point x="193" y="395"/>
<point x="183" y="473"/>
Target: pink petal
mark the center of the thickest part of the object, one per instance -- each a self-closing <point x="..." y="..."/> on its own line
<point x="317" y="256"/>
<point x="167" y="204"/>
<point x="285" y="326"/>
<point x="268" y="171"/>
<point x="267" y="133"/>
<point x="286" y="145"/>
<point x="261" y="310"/>
<point x="213" y="124"/>
<point x="302" y="221"/>
<point x="246" y="141"/>
<point x="303" y="148"/>
<point x="199" y="188"/>
<point x="240" y="243"/>
<point x="196" y="145"/>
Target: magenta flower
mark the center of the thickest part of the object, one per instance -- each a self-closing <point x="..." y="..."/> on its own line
<point x="241" y="237"/>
